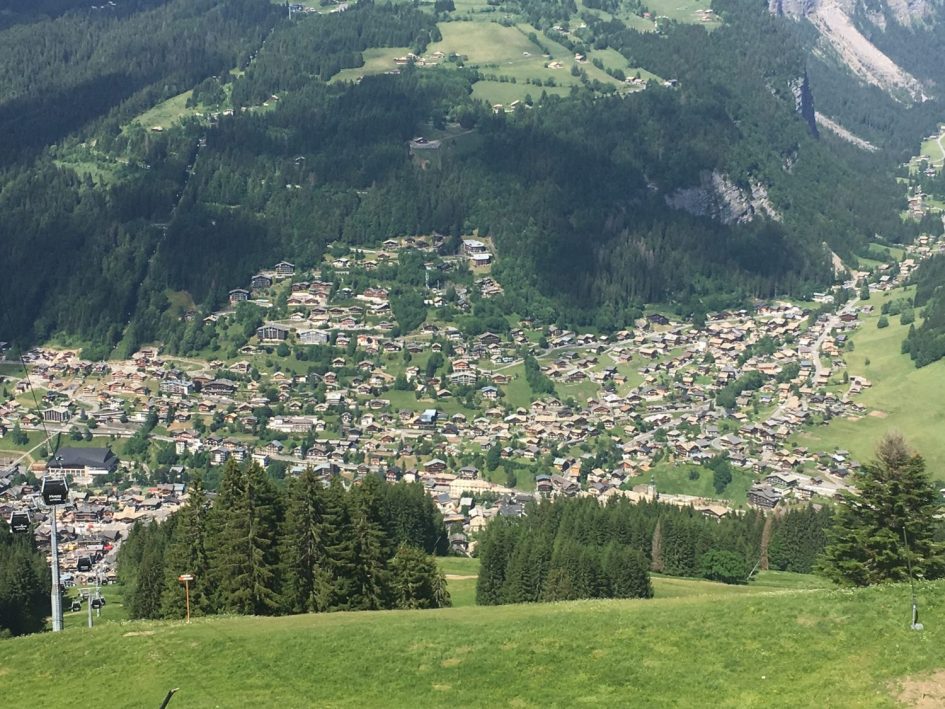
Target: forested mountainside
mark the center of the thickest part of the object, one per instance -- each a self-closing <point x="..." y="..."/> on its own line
<point x="926" y="343"/>
<point x="876" y="67"/>
<point x="120" y="186"/>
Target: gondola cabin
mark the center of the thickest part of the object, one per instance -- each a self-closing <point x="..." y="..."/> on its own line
<point x="55" y="491"/>
<point x="20" y="522"/>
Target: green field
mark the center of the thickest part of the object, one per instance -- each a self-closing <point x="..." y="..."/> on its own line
<point x="932" y="149"/>
<point x="797" y="648"/>
<point x="497" y="92"/>
<point x="86" y="160"/>
<point x="674" y="479"/>
<point x="902" y="398"/>
<point x="763" y="582"/>
<point x="518" y="392"/>
<point x="113" y="612"/>
<point x="461" y="573"/>
<point x="8" y="447"/>
<point x="461" y="576"/>
<point x="167" y="113"/>
<point x="408" y="400"/>
<point x="486" y="44"/>
<point x="376" y="61"/>
<point x="681" y="10"/>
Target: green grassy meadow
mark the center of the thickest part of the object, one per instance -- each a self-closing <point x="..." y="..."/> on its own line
<point x="167" y="113"/>
<point x="932" y="149"/>
<point x="461" y="575"/>
<point x="113" y="612"/>
<point x="902" y="398"/>
<point x="686" y="11"/>
<point x="376" y="61"/>
<point x="798" y="648"/>
<point x="674" y="479"/>
<point x="498" y="92"/>
<point x="510" y="62"/>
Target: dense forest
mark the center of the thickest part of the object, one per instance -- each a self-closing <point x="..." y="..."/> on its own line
<point x="24" y="584"/>
<point x="263" y="550"/>
<point x="576" y="191"/>
<point x="925" y="344"/>
<point x="576" y="548"/>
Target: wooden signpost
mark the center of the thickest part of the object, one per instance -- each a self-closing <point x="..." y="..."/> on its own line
<point x="186" y="579"/>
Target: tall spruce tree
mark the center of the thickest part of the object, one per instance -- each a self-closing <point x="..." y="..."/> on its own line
<point x="889" y="524"/>
<point x="303" y="550"/>
<point x="334" y="587"/>
<point x="245" y="524"/>
<point x="495" y="549"/>
<point x="145" y="600"/>
<point x="369" y="580"/>
<point x="523" y="584"/>
<point x="187" y="554"/>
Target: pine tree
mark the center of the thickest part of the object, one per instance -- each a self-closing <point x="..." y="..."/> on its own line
<point x="333" y="581"/>
<point x="369" y="578"/>
<point x="303" y="551"/>
<point x="245" y="524"/>
<point x="416" y="580"/>
<point x="145" y="601"/>
<point x="558" y="587"/>
<point x="187" y="554"/>
<point x="656" y="555"/>
<point x="24" y="585"/>
<point x="495" y="549"/>
<point x="890" y="523"/>
<point x="521" y="584"/>
<point x="626" y="570"/>
<point x="17" y="436"/>
<point x="799" y="539"/>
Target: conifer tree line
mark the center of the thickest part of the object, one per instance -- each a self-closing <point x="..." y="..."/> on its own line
<point x="260" y="550"/>
<point x="24" y="585"/>
<point x="576" y="548"/>
<point x="925" y="344"/>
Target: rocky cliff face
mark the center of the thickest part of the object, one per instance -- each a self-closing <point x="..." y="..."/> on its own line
<point x="908" y="11"/>
<point x="804" y="102"/>
<point x="718" y="197"/>
<point x="840" y="36"/>
<point x="792" y="8"/>
<point x="905" y="11"/>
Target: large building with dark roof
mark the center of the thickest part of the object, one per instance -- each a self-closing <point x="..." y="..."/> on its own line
<point x="84" y="462"/>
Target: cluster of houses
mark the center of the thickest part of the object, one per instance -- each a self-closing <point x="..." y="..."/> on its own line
<point x="651" y="390"/>
<point x="92" y="525"/>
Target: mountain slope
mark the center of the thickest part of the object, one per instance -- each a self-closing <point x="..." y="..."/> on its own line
<point x="793" y="648"/>
<point x="703" y="193"/>
<point x="843" y="26"/>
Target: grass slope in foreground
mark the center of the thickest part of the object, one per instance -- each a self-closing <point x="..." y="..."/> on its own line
<point x="784" y="648"/>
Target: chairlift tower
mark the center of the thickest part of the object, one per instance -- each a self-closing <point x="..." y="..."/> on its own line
<point x="55" y="492"/>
